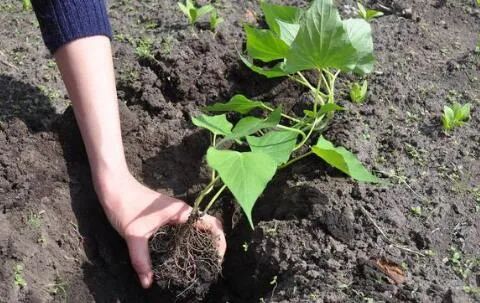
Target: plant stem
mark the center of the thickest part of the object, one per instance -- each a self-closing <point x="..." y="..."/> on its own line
<point x="203" y="193"/>
<point x="309" y="133"/>
<point x="292" y="129"/>
<point x="214" y="198"/>
<point x="293" y="160"/>
<point x="283" y="115"/>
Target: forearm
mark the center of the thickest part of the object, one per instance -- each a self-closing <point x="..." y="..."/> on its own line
<point x="87" y="70"/>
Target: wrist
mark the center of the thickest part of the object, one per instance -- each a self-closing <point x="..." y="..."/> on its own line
<point x="107" y="180"/>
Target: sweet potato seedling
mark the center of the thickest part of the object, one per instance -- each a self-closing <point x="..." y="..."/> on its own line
<point x="192" y="12"/>
<point x="367" y="14"/>
<point x="358" y="93"/>
<point x="245" y="155"/>
<point x="314" y="40"/>
<point x="455" y="115"/>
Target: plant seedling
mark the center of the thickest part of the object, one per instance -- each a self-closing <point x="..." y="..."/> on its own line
<point x="455" y="115"/>
<point x="215" y="20"/>
<point x="27" y="5"/>
<point x="317" y="40"/>
<point x="358" y="93"/>
<point x="368" y="14"/>
<point x="18" y="278"/>
<point x="192" y="12"/>
<point x="144" y="48"/>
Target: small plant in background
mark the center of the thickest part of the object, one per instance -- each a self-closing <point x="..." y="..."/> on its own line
<point x="455" y="115"/>
<point x="358" y="93"/>
<point x="18" y="278"/>
<point x="144" y="49"/>
<point x="215" y="20"/>
<point x="192" y="12"/>
<point x="27" y="5"/>
<point x="367" y="14"/>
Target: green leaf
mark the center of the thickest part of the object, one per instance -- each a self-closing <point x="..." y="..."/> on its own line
<point x="362" y="12"/>
<point x="461" y="112"/>
<point x="343" y="160"/>
<point x="329" y="107"/>
<point x="274" y="72"/>
<point x="325" y="109"/>
<point x="360" y="35"/>
<point x="273" y="13"/>
<point x="372" y="14"/>
<point x="204" y="10"/>
<point x="264" y="45"/>
<point x="245" y="174"/>
<point x="321" y="42"/>
<point x="251" y="125"/>
<point x="184" y="9"/>
<point x="448" y="118"/>
<point x="358" y="93"/>
<point x="218" y="125"/>
<point x="277" y="144"/>
<point x="238" y="103"/>
<point x="288" y="31"/>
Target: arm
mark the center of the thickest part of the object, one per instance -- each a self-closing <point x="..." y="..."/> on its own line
<point x="134" y="210"/>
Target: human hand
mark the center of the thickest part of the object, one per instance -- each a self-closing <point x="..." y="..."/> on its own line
<point x="137" y="212"/>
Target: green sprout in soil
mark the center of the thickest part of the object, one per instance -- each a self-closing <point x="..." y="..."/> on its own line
<point x="215" y="20"/>
<point x="367" y="14"/>
<point x="18" y="278"/>
<point x="27" y="5"/>
<point x="144" y="49"/>
<point x="244" y="157"/>
<point x="358" y="93"/>
<point x="192" y="12"/>
<point x="455" y="115"/>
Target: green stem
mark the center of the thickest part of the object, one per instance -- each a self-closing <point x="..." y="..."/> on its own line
<point x="204" y="193"/>
<point x="214" y="198"/>
<point x="292" y="129"/>
<point x="295" y="159"/>
<point x="283" y="115"/>
<point x="308" y="135"/>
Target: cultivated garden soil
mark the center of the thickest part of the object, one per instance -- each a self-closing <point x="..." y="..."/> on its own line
<point x="319" y="236"/>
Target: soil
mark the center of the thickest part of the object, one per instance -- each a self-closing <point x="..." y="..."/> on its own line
<point x="319" y="236"/>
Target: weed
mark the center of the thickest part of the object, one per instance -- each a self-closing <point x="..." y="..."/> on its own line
<point x="455" y="115"/>
<point x="144" y="49"/>
<point x="416" y="210"/>
<point x="27" y="5"/>
<point x="358" y="93"/>
<point x="215" y="20"/>
<point x="192" y="12"/>
<point x="367" y="14"/>
<point x="35" y="219"/>
<point x="18" y="278"/>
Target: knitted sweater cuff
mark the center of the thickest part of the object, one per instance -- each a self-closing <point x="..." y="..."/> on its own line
<point x="62" y="21"/>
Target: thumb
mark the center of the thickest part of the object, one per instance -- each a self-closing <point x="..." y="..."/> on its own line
<point x="140" y="258"/>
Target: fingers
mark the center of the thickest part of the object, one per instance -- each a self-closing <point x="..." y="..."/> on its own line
<point x="140" y="258"/>
<point x="215" y="227"/>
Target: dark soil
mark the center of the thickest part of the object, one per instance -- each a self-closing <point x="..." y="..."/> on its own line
<point x="319" y="236"/>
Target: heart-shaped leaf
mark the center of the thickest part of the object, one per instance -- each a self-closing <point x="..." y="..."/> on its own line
<point x="218" y="125"/>
<point x="343" y="160"/>
<point x="274" y="12"/>
<point x="238" y="103"/>
<point x="251" y="125"/>
<point x="277" y="144"/>
<point x="265" y="45"/>
<point x="245" y="174"/>
<point x="322" y="41"/>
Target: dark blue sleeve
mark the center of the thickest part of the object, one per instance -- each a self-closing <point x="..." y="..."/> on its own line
<point x="62" y="21"/>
